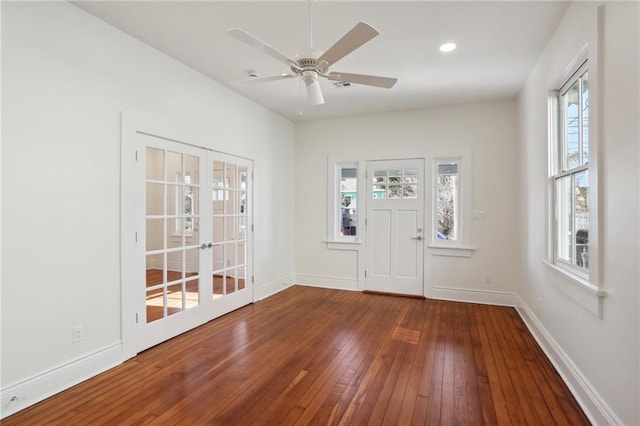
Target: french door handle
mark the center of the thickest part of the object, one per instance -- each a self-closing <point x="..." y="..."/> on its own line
<point x="419" y="238"/>
<point x="206" y="246"/>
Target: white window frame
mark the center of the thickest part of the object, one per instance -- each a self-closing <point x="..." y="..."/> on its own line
<point x="558" y="169"/>
<point x="462" y="246"/>
<point x="583" y="286"/>
<point x="334" y="216"/>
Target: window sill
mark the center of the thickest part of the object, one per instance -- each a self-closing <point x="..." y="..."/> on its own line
<point x="343" y="245"/>
<point x="453" y="251"/>
<point x="577" y="288"/>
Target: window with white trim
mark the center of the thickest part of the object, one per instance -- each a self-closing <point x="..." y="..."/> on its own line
<point x="348" y="200"/>
<point x="345" y="181"/>
<point x="569" y="174"/>
<point x="451" y="205"/>
<point x="447" y="200"/>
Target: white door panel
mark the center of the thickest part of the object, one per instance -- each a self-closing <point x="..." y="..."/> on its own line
<point x="381" y="242"/>
<point x="395" y="204"/>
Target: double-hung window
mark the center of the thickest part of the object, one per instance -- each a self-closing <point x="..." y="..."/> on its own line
<point x="570" y="174"/>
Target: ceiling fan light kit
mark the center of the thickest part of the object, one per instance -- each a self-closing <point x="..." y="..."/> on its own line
<point x="311" y="64"/>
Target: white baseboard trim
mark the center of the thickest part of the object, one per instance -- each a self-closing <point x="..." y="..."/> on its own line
<point x="485" y="297"/>
<point x="335" y="283"/>
<point x="273" y="287"/>
<point x="596" y="409"/>
<point x="23" y="394"/>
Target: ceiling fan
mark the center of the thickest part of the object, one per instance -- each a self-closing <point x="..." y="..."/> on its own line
<point x="311" y="64"/>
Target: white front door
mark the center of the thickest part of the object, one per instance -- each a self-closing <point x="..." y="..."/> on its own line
<point x="395" y="228"/>
<point x="195" y="228"/>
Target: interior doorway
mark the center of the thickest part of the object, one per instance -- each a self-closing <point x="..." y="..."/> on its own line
<point x="192" y="251"/>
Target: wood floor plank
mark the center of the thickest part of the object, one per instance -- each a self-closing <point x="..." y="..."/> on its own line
<point x="316" y="356"/>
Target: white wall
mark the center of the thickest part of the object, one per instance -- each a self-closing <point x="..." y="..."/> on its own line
<point x="66" y="76"/>
<point x="487" y="130"/>
<point x="599" y="356"/>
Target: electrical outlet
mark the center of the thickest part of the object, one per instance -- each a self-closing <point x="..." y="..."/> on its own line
<point x="77" y="333"/>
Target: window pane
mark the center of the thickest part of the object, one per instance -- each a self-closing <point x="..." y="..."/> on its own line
<point x="379" y="176"/>
<point x="582" y="219"/>
<point x="395" y="191"/>
<point x="571" y="148"/>
<point x="447" y="201"/>
<point x="585" y="118"/>
<point x="348" y="201"/>
<point x="409" y="191"/>
<point x="563" y="218"/>
<point x="447" y="207"/>
<point x="395" y="176"/>
<point x="379" y="191"/>
<point x="410" y="176"/>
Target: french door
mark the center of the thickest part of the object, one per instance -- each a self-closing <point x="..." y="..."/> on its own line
<point x="195" y="227"/>
<point x="395" y="229"/>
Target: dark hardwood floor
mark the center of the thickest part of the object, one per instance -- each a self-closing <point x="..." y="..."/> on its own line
<point x="317" y="356"/>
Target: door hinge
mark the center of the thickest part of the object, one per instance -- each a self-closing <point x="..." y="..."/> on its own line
<point x="252" y="227"/>
<point x="136" y="237"/>
<point x="136" y="317"/>
<point x="136" y="155"/>
<point x="365" y="221"/>
<point x="252" y="279"/>
<point x="365" y="273"/>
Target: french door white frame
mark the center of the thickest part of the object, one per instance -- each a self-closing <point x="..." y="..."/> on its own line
<point x="134" y="128"/>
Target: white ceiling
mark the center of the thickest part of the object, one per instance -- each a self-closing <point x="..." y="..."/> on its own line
<point x="498" y="44"/>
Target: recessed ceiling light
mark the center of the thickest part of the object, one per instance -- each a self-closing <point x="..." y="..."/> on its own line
<point x="448" y="47"/>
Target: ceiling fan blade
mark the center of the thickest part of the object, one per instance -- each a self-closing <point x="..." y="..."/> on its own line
<point x="251" y="81"/>
<point x="369" y="80"/>
<point x="314" y="93"/>
<point x="359" y="35"/>
<point x="247" y="38"/>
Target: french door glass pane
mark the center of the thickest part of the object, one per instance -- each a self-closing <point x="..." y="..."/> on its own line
<point x="174" y="167"/>
<point x="155" y="268"/>
<point x="191" y="164"/>
<point x="192" y="297"/>
<point x="155" y="303"/>
<point x="155" y="233"/>
<point x="174" y="299"/>
<point x="241" y="275"/>
<point x="155" y="199"/>
<point x="218" y="285"/>
<point x="155" y="164"/>
<point x="231" y="175"/>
